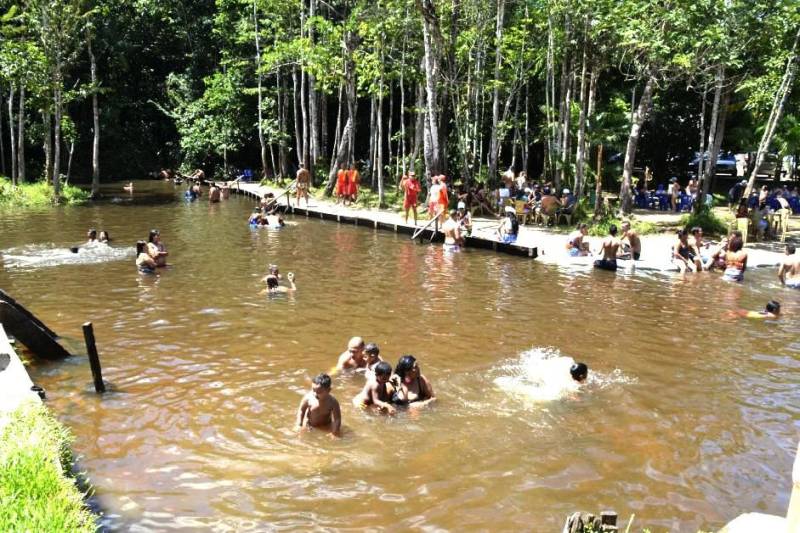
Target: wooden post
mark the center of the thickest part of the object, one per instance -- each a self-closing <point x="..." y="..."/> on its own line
<point x="94" y="359"/>
<point x="608" y="521"/>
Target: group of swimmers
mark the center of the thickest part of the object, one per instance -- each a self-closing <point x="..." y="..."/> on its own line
<point x="385" y="390"/>
<point x="266" y="213"/>
<point x="152" y="254"/>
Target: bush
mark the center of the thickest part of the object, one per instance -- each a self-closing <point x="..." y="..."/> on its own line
<point x="707" y="220"/>
<point x="600" y="227"/>
<point x="34" y="493"/>
<point x="38" y="194"/>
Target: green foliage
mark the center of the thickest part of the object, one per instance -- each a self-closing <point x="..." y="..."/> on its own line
<point x="39" y="194"/>
<point x="707" y="220"/>
<point x="599" y="228"/>
<point x="34" y="494"/>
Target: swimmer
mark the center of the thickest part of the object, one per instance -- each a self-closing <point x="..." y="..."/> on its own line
<point x="373" y="356"/>
<point x="771" y="310"/>
<point x="378" y="390"/>
<point x="575" y="244"/>
<point x="631" y="244"/>
<point x="579" y="372"/>
<point x="213" y="194"/>
<point x="735" y="259"/>
<point x="682" y="255"/>
<point x="353" y="357"/>
<point x="609" y="248"/>
<point x="255" y="217"/>
<point x="104" y="237"/>
<point x="144" y="262"/>
<point x="128" y="187"/>
<point x="156" y="248"/>
<point x="274" y="286"/>
<point x="319" y="409"/>
<point x="452" y="232"/>
<point x="789" y="271"/>
<point x="411" y="387"/>
<point x="92" y="236"/>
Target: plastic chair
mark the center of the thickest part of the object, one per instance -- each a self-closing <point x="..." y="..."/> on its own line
<point x="566" y="215"/>
<point x="522" y="210"/>
<point x="247" y="174"/>
<point x="743" y="225"/>
<point x="782" y="223"/>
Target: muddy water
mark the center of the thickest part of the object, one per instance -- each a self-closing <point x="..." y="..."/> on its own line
<point x="689" y="418"/>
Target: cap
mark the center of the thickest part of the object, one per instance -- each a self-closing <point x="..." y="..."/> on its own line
<point x="462" y="205"/>
<point x="510" y="209"/>
<point x="565" y="191"/>
<point x="412" y="173"/>
<point x="744" y="182"/>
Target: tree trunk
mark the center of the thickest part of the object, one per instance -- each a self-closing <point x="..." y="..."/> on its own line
<point x="702" y="125"/>
<point x="494" y="147"/>
<point x="2" y="142"/>
<point x="708" y="183"/>
<point x="372" y="148"/>
<point x="306" y="156"/>
<point x="341" y="156"/>
<point x="21" y="136"/>
<point x="283" y="157"/>
<point x="598" y="185"/>
<point x="70" y="152"/>
<point x="580" y="151"/>
<point x="419" y="127"/>
<point x="95" y="119"/>
<point x="322" y="101"/>
<point x="12" y="134"/>
<point x="565" y="133"/>
<point x="639" y="116"/>
<point x="350" y="90"/>
<point x="57" y="139"/>
<point x="47" y="122"/>
<point x="430" y="30"/>
<point x="313" y="104"/>
<point x="781" y="95"/>
<point x="713" y="146"/>
<point x="261" y="141"/>
<point x="298" y="117"/>
<point x="549" y="97"/>
<point x="379" y="164"/>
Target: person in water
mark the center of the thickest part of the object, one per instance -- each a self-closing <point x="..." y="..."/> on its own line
<point x="104" y="237"/>
<point x="373" y="356"/>
<point x="145" y="263"/>
<point x="156" y="248"/>
<point x="609" y="249"/>
<point x="771" y="310"/>
<point x="509" y="227"/>
<point x="735" y="259"/>
<point x="682" y="255"/>
<point x="579" y="372"/>
<point x="453" y="240"/>
<point x="274" y="286"/>
<point x="464" y="219"/>
<point x="319" y="409"/>
<point x="410" y="386"/>
<point x="353" y="357"/>
<point x="575" y="245"/>
<point x="91" y="235"/>
<point x="378" y="390"/>
<point x="213" y="194"/>
<point x="631" y="243"/>
<point x="789" y="271"/>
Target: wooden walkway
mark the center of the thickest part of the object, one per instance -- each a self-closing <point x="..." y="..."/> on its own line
<point x="483" y="235"/>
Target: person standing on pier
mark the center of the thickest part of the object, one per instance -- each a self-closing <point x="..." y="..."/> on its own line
<point x="303" y="183"/>
<point x="353" y="182"/>
<point x="341" y="185"/>
<point x="410" y="187"/>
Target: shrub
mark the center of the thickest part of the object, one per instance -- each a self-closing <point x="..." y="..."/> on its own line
<point x="600" y="227"/>
<point x="34" y="493"/>
<point x="705" y="219"/>
<point x="38" y="194"/>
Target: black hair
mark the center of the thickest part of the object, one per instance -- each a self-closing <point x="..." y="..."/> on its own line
<point x="383" y="369"/>
<point x="579" y="371"/>
<point x="735" y="243"/>
<point x="790" y="249"/>
<point x="404" y="364"/>
<point x="582" y="225"/>
<point x="612" y="230"/>
<point x="323" y="380"/>
<point x="696" y="230"/>
<point x="140" y="246"/>
<point x="92" y="233"/>
<point x="372" y="348"/>
<point x="773" y="307"/>
<point x="108" y="236"/>
<point x="153" y="233"/>
<point x="272" y="281"/>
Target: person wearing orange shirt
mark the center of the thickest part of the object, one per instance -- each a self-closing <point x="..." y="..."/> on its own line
<point x="442" y="201"/>
<point x="410" y="187"/>
<point x="355" y="181"/>
<point x="341" y="184"/>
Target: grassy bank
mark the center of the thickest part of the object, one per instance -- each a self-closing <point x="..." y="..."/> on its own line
<point x="38" y="194"/>
<point x="35" y="492"/>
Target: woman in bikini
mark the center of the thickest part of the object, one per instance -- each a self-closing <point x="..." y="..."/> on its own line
<point x="411" y="387"/>
<point x="735" y="259"/>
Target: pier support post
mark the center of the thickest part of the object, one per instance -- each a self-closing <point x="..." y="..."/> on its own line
<point x="94" y="358"/>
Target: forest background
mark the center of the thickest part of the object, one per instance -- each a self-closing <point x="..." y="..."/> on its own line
<point x="567" y="90"/>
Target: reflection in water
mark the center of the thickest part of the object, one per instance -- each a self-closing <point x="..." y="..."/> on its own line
<point x="687" y="419"/>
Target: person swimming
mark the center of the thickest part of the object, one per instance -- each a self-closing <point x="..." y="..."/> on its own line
<point x="579" y="372"/>
<point x="144" y="262"/>
<point x="771" y="310"/>
<point x="411" y="387"/>
<point x="735" y="259"/>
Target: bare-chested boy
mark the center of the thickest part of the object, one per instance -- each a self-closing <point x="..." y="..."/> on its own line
<point x="354" y="356"/>
<point x="631" y="242"/>
<point x="789" y="271"/>
<point x="378" y="390"/>
<point x="319" y="409"/>
<point x="610" y="248"/>
<point x="373" y="356"/>
<point x="303" y="182"/>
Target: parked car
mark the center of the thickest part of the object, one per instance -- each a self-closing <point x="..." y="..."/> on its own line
<point x="726" y="164"/>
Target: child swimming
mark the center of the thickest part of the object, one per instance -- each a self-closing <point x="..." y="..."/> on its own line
<point x="319" y="409"/>
<point x="378" y="390"/>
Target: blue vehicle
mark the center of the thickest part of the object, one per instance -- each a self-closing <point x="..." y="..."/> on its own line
<point x="726" y="164"/>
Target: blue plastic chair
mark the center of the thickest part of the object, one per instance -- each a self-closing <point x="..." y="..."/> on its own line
<point x="794" y="203"/>
<point x="247" y="174"/>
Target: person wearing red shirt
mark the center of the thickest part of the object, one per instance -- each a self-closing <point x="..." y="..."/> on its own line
<point x="341" y="184"/>
<point x="410" y="187"/>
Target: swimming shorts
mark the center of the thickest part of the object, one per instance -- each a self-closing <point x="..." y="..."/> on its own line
<point x="574" y="252"/>
<point x="146" y="270"/>
<point x="606" y="264"/>
<point x="733" y="274"/>
<point x="409" y="201"/>
<point x="509" y="239"/>
<point x="451" y="247"/>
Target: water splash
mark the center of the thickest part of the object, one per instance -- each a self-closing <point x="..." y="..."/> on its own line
<point x="542" y="375"/>
<point x="46" y="255"/>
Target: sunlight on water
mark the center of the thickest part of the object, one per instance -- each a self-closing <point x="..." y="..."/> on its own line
<point x="48" y="255"/>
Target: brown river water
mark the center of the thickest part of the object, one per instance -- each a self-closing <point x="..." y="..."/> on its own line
<point x="689" y="418"/>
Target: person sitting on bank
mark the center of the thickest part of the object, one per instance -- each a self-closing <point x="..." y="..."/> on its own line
<point x="789" y="270"/>
<point x="378" y="390"/>
<point x="452" y="232"/>
<point x="682" y="255"/>
<point x="631" y="244"/>
<point x="319" y="409"/>
<point x="144" y="262"/>
<point x="411" y="387"/>
<point x="609" y="249"/>
<point x="353" y="357"/>
<point x="549" y="204"/>
<point x="509" y="227"/>
<point x="568" y="202"/>
<point x="575" y="244"/>
<point x="464" y="219"/>
<point x="735" y="258"/>
<point x="156" y="248"/>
